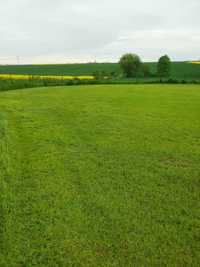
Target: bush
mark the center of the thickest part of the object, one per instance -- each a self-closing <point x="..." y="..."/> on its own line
<point x="172" y="81"/>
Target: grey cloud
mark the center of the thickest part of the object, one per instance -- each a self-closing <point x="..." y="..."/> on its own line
<point x="60" y="31"/>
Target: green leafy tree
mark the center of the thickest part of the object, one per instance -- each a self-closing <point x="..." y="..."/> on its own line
<point x="146" y="70"/>
<point x="97" y="75"/>
<point x="164" y="67"/>
<point x="130" y="64"/>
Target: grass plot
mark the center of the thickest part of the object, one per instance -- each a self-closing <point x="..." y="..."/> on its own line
<point x="100" y="176"/>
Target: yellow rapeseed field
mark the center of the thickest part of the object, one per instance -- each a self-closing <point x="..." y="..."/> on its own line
<point x="43" y="77"/>
<point x="194" y="62"/>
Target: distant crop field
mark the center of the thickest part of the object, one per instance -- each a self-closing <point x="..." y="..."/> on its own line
<point x="194" y="62"/>
<point x="60" y="69"/>
<point x="180" y="70"/>
<point x="43" y="77"/>
<point x="100" y="176"/>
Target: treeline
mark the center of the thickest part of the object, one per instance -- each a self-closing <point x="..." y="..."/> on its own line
<point x="133" y="67"/>
<point x="10" y="84"/>
<point x="6" y="85"/>
<point x="133" y="71"/>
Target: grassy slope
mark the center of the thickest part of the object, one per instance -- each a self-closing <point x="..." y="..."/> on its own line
<point x="180" y="70"/>
<point x="100" y="176"/>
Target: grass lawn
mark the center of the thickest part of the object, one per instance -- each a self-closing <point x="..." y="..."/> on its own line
<point x="100" y="176"/>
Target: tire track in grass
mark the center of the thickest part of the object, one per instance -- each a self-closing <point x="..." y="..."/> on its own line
<point x="12" y="224"/>
<point x="3" y="174"/>
<point x="6" y="191"/>
<point x="37" y="206"/>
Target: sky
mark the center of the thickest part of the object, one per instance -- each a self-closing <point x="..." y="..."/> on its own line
<point x="62" y="31"/>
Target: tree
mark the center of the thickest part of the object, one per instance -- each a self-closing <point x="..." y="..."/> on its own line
<point x="164" y="67"/>
<point x="146" y="70"/>
<point x="96" y="75"/>
<point x="130" y="64"/>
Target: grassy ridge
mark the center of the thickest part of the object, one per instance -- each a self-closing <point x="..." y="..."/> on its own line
<point x="180" y="70"/>
<point x="101" y="176"/>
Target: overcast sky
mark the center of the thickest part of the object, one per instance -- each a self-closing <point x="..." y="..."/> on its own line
<point x="50" y="31"/>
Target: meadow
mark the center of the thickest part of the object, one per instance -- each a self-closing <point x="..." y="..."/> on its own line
<point x="180" y="70"/>
<point x="100" y="176"/>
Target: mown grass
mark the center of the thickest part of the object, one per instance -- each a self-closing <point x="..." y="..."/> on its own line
<point x="100" y="176"/>
<point x="180" y="70"/>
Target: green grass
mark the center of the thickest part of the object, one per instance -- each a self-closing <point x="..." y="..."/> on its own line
<point x="180" y="70"/>
<point x="100" y="176"/>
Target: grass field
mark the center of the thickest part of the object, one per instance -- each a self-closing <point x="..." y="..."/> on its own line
<point x="100" y="176"/>
<point x="180" y="70"/>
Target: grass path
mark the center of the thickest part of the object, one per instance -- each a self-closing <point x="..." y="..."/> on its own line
<point x="100" y="176"/>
